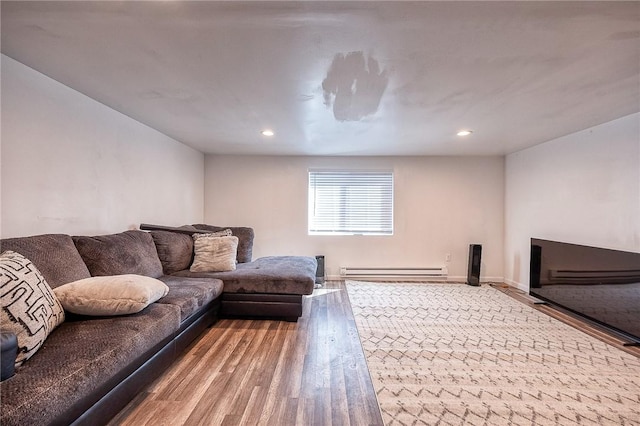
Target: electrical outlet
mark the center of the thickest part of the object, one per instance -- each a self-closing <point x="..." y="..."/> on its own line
<point x="447" y="257"/>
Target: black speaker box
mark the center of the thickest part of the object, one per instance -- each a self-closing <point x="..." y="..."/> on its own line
<point x="535" y="263"/>
<point x="320" y="271"/>
<point x="475" y="257"/>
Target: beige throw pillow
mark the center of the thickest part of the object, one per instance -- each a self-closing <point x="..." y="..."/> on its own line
<point x="110" y="295"/>
<point x="214" y="254"/>
<point x="30" y="309"/>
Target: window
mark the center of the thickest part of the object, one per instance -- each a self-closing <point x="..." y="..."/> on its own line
<point x="350" y="202"/>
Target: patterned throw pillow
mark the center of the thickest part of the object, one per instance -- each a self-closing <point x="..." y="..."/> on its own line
<point x="214" y="254"/>
<point x="29" y="307"/>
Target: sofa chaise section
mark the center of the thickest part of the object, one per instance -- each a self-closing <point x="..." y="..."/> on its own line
<point x="271" y="286"/>
<point x="268" y="287"/>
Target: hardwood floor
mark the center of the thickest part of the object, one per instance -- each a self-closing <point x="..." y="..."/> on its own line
<point x="313" y="372"/>
<point x="245" y="372"/>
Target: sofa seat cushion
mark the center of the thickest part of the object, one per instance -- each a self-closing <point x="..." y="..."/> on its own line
<point x="55" y="256"/>
<point x="129" y="252"/>
<point x="190" y="294"/>
<point x="80" y="360"/>
<point x="271" y="275"/>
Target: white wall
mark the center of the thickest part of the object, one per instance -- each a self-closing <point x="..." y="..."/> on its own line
<point x="73" y="165"/>
<point x="583" y="188"/>
<point x="70" y="164"/>
<point x="442" y="204"/>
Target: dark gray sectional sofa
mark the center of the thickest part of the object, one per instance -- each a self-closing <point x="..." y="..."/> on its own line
<point x="89" y="368"/>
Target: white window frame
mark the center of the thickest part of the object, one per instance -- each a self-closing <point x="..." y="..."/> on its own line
<point x="350" y="202"/>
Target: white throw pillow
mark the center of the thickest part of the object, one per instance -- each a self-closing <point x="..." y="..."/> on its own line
<point x="110" y="295"/>
<point x="30" y="309"/>
<point x="214" y="254"/>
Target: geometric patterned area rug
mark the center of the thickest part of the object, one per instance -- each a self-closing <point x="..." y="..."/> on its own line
<point x="453" y="354"/>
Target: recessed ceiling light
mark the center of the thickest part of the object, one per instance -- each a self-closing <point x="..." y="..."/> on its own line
<point x="464" y="132"/>
<point x="267" y="132"/>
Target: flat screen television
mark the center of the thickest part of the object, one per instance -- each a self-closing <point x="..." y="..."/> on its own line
<point x="599" y="284"/>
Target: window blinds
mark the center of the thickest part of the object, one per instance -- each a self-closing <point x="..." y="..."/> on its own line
<point x="350" y="202"/>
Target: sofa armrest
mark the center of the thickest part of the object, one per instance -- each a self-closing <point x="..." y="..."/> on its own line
<point x="8" y="354"/>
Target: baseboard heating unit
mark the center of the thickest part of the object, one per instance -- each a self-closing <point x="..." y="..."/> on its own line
<point x="414" y="273"/>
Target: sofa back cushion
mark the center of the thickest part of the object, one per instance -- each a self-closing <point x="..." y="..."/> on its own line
<point x="175" y="250"/>
<point x="245" y="239"/>
<point x="129" y="252"/>
<point x="54" y="255"/>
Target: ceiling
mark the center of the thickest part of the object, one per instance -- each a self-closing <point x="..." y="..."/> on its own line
<point x="342" y="78"/>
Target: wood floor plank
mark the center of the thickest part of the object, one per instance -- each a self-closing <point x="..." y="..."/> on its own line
<point x="264" y="372"/>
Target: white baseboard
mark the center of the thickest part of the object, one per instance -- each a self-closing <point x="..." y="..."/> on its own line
<point x="516" y="284"/>
<point x="450" y="279"/>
